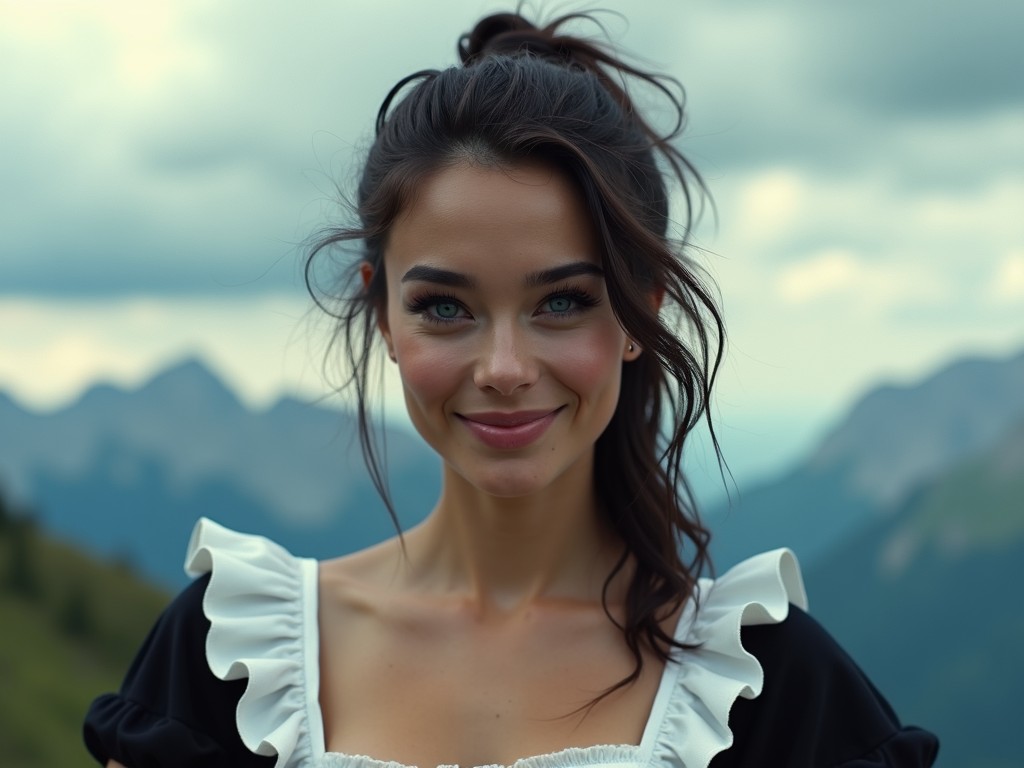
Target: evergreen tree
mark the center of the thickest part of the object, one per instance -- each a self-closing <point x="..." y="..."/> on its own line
<point x="76" y="616"/>
<point x="21" y="576"/>
<point x="5" y="514"/>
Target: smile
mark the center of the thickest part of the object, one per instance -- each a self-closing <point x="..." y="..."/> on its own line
<point x="509" y="431"/>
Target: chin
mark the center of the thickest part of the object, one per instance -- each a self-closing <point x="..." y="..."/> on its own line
<point x="507" y="481"/>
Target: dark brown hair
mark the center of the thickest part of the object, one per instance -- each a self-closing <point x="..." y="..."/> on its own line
<point x="528" y="93"/>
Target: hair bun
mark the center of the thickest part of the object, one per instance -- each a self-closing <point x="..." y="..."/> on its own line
<point x="509" y="33"/>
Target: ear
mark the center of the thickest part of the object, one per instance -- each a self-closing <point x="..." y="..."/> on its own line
<point x="632" y="351"/>
<point x="657" y="296"/>
<point x="366" y="272"/>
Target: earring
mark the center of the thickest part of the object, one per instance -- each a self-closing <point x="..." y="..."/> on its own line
<point x="631" y="347"/>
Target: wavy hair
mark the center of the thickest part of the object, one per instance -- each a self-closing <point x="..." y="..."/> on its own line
<point x="528" y="93"/>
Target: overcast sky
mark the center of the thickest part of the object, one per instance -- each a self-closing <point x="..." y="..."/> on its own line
<point x="161" y="163"/>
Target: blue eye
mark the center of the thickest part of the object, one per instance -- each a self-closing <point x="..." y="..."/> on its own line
<point x="568" y="302"/>
<point x="437" y="309"/>
<point x="560" y="304"/>
<point x="446" y="310"/>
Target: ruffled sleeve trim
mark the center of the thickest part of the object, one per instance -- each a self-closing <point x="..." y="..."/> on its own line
<point x="261" y="605"/>
<point x="691" y="710"/>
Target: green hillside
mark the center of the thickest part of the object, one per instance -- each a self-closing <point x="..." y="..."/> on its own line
<point x="978" y="504"/>
<point x="70" y="625"/>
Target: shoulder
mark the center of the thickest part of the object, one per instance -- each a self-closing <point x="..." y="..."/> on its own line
<point x="805" y="668"/>
<point x="817" y="707"/>
<point x="797" y="647"/>
<point x="760" y="682"/>
<point x="365" y="570"/>
<point x="171" y="709"/>
<point x="246" y="620"/>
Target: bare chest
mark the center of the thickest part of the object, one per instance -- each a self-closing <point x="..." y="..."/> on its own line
<point x="433" y="689"/>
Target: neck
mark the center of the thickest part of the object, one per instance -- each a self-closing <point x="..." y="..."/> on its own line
<point x="505" y="554"/>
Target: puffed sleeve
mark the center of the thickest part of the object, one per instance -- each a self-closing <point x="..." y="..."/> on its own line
<point x="171" y="709"/>
<point x="817" y="708"/>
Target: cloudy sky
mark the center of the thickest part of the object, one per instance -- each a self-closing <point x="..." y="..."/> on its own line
<point x="162" y="164"/>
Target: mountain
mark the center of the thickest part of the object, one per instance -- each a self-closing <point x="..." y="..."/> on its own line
<point x="896" y="437"/>
<point x="891" y="442"/>
<point x="127" y="473"/>
<point x="928" y="601"/>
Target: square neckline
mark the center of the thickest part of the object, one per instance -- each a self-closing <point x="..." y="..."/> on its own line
<point x="593" y="754"/>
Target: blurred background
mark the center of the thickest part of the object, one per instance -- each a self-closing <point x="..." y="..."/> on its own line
<point x="159" y="358"/>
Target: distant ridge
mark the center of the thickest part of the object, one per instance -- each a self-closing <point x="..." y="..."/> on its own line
<point x="893" y="440"/>
<point x="189" y="381"/>
<point x="189" y="378"/>
<point x="128" y="471"/>
<point x="117" y="465"/>
<point x="895" y="437"/>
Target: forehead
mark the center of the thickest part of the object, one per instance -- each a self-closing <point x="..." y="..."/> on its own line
<point x="473" y="217"/>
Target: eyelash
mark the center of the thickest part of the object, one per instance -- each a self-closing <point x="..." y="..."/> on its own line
<point x="582" y="299"/>
<point x="421" y="305"/>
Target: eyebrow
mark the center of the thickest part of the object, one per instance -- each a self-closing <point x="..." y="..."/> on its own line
<point x="427" y="274"/>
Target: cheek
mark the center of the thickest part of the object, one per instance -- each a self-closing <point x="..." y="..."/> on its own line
<point x="592" y="366"/>
<point x="430" y="371"/>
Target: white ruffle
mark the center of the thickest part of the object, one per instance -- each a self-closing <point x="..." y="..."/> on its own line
<point x="706" y="681"/>
<point x="262" y="606"/>
<point x="263" y="625"/>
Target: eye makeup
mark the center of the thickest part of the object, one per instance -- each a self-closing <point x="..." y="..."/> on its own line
<point x="442" y="308"/>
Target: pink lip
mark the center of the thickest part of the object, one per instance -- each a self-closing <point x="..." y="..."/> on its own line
<point x="508" y="431"/>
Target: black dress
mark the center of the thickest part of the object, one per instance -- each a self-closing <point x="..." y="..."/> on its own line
<point x="814" y="707"/>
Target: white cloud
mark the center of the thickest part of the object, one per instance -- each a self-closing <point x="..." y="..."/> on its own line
<point x="50" y="350"/>
<point x="839" y="275"/>
<point x="833" y="272"/>
<point x="174" y="148"/>
<point x="771" y="206"/>
<point x="1007" y="284"/>
<point x="835" y="282"/>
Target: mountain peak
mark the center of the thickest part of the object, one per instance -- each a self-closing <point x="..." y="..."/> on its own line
<point x="897" y="436"/>
<point x="186" y="369"/>
<point x="190" y="378"/>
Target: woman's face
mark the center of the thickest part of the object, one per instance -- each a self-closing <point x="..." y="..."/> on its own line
<point x="498" y="317"/>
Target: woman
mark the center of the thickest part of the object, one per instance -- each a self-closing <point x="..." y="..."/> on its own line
<point x="515" y="260"/>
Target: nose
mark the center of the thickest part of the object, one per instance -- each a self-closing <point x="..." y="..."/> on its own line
<point x="505" y="363"/>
